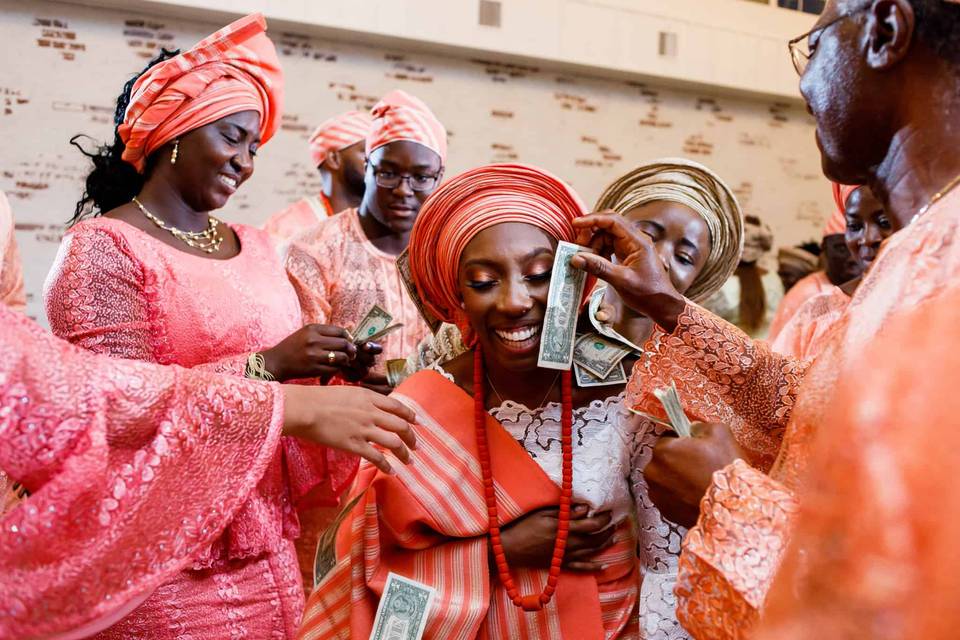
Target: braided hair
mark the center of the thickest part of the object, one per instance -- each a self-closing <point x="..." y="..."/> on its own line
<point x="112" y="182"/>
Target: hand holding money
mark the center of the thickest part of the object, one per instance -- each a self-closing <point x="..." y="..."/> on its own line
<point x="316" y="350"/>
<point x="681" y="469"/>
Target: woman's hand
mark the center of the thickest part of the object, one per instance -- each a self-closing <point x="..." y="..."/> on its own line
<point x="681" y="469"/>
<point x="306" y="353"/>
<point x="639" y="275"/>
<point x="529" y="541"/>
<point x="358" y="370"/>
<point x="351" y="419"/>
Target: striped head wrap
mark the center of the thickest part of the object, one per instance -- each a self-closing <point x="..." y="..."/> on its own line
<point x="474" y="201"/>
<point x="693" y="185"/>
<point x="339" y="132"/>
<point x="400" y="116"/>
<point x="235" y="69"/>
<point x="837" y="222"/>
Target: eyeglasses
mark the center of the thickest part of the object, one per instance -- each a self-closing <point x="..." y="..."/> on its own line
<point x="389" y="179"/>
<point x="799" y="47"/>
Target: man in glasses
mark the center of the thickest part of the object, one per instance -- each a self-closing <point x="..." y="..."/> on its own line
<point x="347" y="263"/>
<point x="860" y="503"/>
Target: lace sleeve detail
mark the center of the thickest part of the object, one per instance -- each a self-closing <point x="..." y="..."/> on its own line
<point x="96" y="440"/>
<point x="722" y="376"/>
<point x="730" y="558"/>
<point x="658" y="545"/>
<point x="309" y="279"/>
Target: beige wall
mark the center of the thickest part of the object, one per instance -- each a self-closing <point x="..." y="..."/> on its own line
<point x="64" y="65"/>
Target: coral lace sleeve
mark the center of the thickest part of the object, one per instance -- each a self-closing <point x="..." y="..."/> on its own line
<point x="132" y="470"/>
<point x="309" y="272"/>
<point x="96" y="297"/>
<point x="730" y="558"/>
<point x="724" y="376"/>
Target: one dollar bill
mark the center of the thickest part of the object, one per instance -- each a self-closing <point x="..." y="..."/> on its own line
<point x="670" y="399"/>
<point x="586" y="379"/>
<point x="598" y="355"/>
<point x="373" y="323"/>
<point x="403" y="610"/>
<point x="403" y="266"/>
<point x="563" y="305"/>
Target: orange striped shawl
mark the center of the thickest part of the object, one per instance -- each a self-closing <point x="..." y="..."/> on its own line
<point x="429" y="523"/>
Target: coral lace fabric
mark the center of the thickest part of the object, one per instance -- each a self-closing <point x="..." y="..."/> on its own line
<point x="116" y="290"/>
<point x="339" y="275"/>
<point x="133" y="470"/>
<point x="771" y="400"/>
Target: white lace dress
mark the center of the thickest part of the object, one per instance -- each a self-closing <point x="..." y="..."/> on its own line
<point x="611" y="448"/>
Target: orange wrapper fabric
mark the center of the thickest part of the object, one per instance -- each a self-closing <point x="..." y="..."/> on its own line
<point x="809" y="287"/>
<point x="471" y="202"/>
<point x="875" y="552"/>
<point x="400" y="116"/>
<point x="775" y="406"/>
<point x="235" y="69"/>
<point x="837" y="223"/>
<point x="338" y="133"/>
<point x="299" y="216"/>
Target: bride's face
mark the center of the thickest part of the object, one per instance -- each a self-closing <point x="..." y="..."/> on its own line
<point x="504" y="281"/>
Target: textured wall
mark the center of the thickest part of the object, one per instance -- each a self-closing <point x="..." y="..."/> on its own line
<point x="64" y="66"/>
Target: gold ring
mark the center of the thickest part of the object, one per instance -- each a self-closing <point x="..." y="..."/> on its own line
<point x="331" y="356"/>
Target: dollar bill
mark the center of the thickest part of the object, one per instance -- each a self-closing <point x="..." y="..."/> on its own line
<point x="403" y="266"/>
<point x="383" y="333"/>
<point x="604" y="329"/>
<point x="376" y="320"/>
<point x="396" y="371"/>
<point x="670" y="399"/>
<point x="563" y="305"/>
<point x="403" y="610"/>
<point x="598" y="355"/>
<point x="586" y="379"/>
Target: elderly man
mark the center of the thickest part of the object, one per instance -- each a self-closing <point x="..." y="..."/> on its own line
<point x="880" y="77"/>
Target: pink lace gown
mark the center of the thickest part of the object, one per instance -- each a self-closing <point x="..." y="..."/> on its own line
<point x="133" y="469"/>
<point x="775" y="405"/>
<point x="338" y="275"/>
<point x="116" y="290"/>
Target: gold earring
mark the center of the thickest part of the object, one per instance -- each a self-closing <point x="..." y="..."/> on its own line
<point x="176" y="151"/>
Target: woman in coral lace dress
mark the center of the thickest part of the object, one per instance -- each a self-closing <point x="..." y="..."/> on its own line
<point x="134" y="469"/>
<point x="155" y="277"/>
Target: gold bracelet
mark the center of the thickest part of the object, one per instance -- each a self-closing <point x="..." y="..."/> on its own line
<point x="257" y="368"/>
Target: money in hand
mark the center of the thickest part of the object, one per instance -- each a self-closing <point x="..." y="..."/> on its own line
<point x="376" y="320"/>
<point x="670" y="399"/>
<point x="563" y="305"/>
<point x="403" y="610"/>
<point x="396" y="371"/>
<point x="598" y="355"/>
<point x="586" y="379"/>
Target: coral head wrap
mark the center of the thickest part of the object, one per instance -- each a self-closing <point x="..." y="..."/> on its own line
<point x="697" y="187"/>
<point x="837" y="223"/>
<point x="400" y="116"/>
<point x="235" y="69"/>
<point x="339" y="132"/>
<point x="474" y="201"/>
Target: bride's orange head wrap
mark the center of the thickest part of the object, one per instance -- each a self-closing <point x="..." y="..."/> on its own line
<point x="474" y="201"/>
<point x="837" y="222"/>
<point x="235" y="69"/>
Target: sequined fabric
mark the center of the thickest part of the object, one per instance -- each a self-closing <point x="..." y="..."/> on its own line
<point x="767" y="398"/>
<point x="133" y="471"/>
<point x="338" y="275"/>
<point x="116" y="290"/>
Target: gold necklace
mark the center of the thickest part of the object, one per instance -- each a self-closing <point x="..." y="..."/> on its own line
<point x="208" y="240"/>
<point x="937" y="197"/>
<point x="545" y="396"/>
